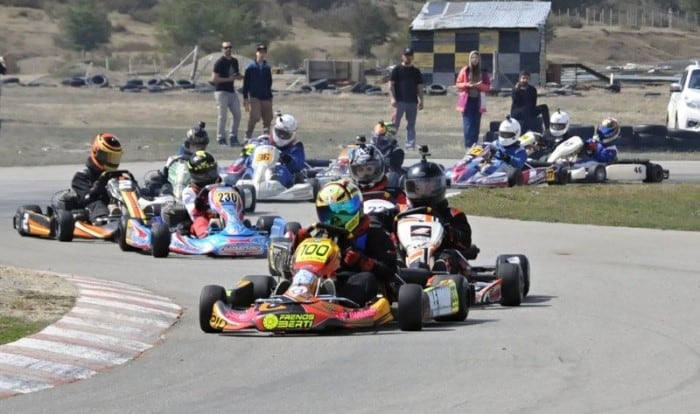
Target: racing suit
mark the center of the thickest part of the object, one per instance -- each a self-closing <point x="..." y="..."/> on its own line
<point x="597" y="151"/>
<point x="91" y="191"/>
<point x="513" y="156"/>
<point x="369" y="258"/>
<point x="546" y="145"/>
<point x="396" y="195"/>
<point x="390" y="150"/>
<point x="292" y="161"/>
<point x="197" y="205"/>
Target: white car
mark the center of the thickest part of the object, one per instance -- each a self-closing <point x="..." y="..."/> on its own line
<point x="684" y="105"/>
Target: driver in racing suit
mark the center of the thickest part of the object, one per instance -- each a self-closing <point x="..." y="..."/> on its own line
<point x="292" y="159"/>
<point x="90" y="189"/>
<point x="601" y="147"/>
<point x="204" y="171"/>
<point x="507" y="148"/>
<point x="369" y="255"/>
<point x="426" y="187"/>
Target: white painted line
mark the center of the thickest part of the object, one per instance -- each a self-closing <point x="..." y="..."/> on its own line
<point x="107" y="326"/>
<point x="82" y="352"/>
<point x="118" y="295"/>
<point x="125" y="306"/>
<point x="54" y="368"/>
<point x="97" y="339"/>
<point x="22" y="386"/>
<point x="116" y="316"/>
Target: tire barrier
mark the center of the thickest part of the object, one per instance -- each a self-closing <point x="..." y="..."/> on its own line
<point x="436" y="89"/>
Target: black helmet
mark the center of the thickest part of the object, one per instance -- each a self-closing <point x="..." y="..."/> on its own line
<point x="425" y="182"/>
<point x="203" y="169"/>
<point x="197" y="138"/>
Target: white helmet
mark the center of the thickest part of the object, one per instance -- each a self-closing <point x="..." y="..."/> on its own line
<point x="559" y="123"/>
<point x="367" y="166"/>
<point x="284" y="130"/>
<point x="508" y="131"/>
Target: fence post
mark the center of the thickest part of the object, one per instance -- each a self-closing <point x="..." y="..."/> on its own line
<point x="611" y="17"/>
<point x="670" y="18"/>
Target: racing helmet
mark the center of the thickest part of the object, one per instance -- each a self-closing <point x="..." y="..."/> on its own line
<point x="284" y="130"/>
<point x="559" y="123"/>
<point x="203" y="169"/>
<point x="196" y="138"/>
<point x="425" y="184"/>
<point x="106" y="152"/>
<point x="339" y="203"/>
<point x="608" y="131"/>
<point x="508" y="131"/>
<point x="380" y="129"/>
<point x="367" y="166"/>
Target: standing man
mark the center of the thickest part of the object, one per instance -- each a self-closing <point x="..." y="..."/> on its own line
<point x="524" y="106"/>
<point x="406" y="91"/>
<point x="3" y="70"/>
<point x="225" y="72"/>
<point x="257" y="92"/>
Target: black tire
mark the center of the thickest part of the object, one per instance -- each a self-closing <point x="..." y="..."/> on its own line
<point x="210" y="294"/>
<point x="645" y="140"/>
<point x="627" y="137"/>
<point x="598" y="175"/>
<point x="463" y="294"/>
<point x="315" y="187"/>
<point x="265" y="223"/>
<point x="655" y="173"/>
<point x="65" y="225"/>
<point x="651" y="129"/>
<point x="494" y="125"/>
<point x="524" y="268"/>
<point x="160" y="240"/>
<point x="515" y="177"/>
<point x="583" y="131"/>
<point x="17" y="219"/>
<point x="121" y="236"/>
<point x="562" y="176"/>
<point x="512" y="286"/>
<point x="410" y="307"/>
<point x="263" y="285"/>
<point x="249" y="189"/>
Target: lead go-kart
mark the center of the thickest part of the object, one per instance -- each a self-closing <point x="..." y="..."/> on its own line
<point x="582" y="168"/>
<point x="474" y="170"/>
<point x="66" y="218"/>
<point x="301" y="296"/>
<point x="420" y="234"/>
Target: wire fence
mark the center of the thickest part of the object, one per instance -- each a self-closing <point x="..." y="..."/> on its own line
<point x="633" y="17"/>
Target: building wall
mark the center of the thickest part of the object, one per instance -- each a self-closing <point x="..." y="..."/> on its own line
<point x="440" y="54"/>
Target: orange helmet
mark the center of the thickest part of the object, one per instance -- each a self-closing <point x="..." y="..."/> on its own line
<point x="380" y="129"/>
<point x="106" y="152"/>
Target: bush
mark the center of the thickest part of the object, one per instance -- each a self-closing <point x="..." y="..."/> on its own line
<point x="575" y="22"/>
<point x="288" y="54"/>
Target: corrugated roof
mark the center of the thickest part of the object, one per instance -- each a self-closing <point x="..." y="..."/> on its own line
<point x="482" y="14"/>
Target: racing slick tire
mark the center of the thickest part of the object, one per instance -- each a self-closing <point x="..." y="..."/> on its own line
<point x="249" y="196"/>
<point x="210" y="294"/>
<point x="265" y="223"/>
<point x="160" y="240"/>
<point x="65" y="225"/>
<point x="410" y="307"/>
<point x="655" y="173"/>
<point x="512" y="284"/>
<point x="315" y="186"/>
<point x="524" y="268"/>
<point x="515" y="177"/>
<point x="17" y="220"/>
<point x="263" y="285"/>
<point x="598" y="175"/>
<point x="463" y="295"/>
<point x="121" y="235"/>
<point x="562" y="176"/>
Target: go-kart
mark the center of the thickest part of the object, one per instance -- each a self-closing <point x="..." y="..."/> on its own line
<point x="264" y="158"/>
<point x="479" y="168"/>
<point x="229" y="236"/>
<point x="67" y="218"/>
<point x="304" y="301"/>
<point x="338" y="168"/>
<point x="582" y="168"/>
<point x="420" y="235"/>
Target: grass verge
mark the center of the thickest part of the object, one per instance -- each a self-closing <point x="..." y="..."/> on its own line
<point x="12" y="328"/>
<point x="665" y="206"/>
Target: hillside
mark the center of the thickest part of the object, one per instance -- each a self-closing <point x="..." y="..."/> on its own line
<point x="28" y="33"/>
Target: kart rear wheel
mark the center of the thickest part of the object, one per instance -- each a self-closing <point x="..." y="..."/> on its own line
<point x="17" y="220"/>
<point x="210" y="294"/>
<point x="65" y="225"/>
<point x="250" y="197"/>
<point x="315" y="186"/>
<point x="265" y="223"/>
<point x="462" y="295"/>
<point x="121" y="235"/>
<point x="562" y="176"/>
<point x="655" y="173"/>
<point x="160" y="240"/>
<point x="263" y="285"/>
<point x="598" y="175"/>
<point x="410" y="307"/>
<point x="524" y="264"/>
<point x="512" y="284"/>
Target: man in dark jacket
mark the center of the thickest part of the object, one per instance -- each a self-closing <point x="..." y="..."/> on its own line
<point x="257" y="92"/>
<point x="524" y="106"/>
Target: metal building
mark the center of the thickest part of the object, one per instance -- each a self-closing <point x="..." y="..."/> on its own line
<point x="510" y="35"/>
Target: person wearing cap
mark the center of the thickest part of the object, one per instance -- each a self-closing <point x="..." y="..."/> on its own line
<point x="3" y="71"/>
<point x="257" y="92"/>
<point x="472" y="84"/>
<point x="406" y="91"/>
<point x="225" y="72"/>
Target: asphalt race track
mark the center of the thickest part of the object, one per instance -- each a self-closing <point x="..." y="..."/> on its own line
<point x="610" y="326"/>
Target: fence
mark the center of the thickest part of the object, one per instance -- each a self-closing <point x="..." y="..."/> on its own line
<point x="637" y="17"/>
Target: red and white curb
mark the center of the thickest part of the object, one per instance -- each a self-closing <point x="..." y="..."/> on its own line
<point x="110" y="324"/>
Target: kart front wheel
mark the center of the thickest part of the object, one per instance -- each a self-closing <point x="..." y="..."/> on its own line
<point x="121" y="235"/>
<point x="18" y="219"/>
<point x="411" y="307"/>
<point x="210" y="294"/>
<point x="263" y="285"/>
<point x="160" y="240"/>
<point x="655" y="173"/>
<point x="511" y="284"/>
<point x="462" y="296"/>
<point x="65" y="225"/>
<point x="524" y="264"/>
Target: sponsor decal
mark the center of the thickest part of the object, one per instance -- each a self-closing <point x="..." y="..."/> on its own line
<point x="421" y="231"/>
<point x="288" y="321"/>
<point x="358" y="314"/>
<point x="313" y="251"/>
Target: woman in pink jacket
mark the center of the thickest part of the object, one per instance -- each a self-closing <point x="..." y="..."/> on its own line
<point x="472" y="84"/>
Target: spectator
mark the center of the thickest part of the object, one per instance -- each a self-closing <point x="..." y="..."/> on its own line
<point x="406" y="91"/>
<point x="524" y="106"/>
<point x="225" y="72"/>
<point x="472" y="83"/>
<point x="3" y="71"/>
<point x="257" y="92"/>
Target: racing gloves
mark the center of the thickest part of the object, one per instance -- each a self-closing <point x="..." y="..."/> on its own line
<point x="285" y="158"/>
<point x="353" y="257"/>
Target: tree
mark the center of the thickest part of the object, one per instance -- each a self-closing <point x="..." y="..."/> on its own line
<point x="84" y="25"/>
<point x="369" y="26"/>
<point x="184" y="23"/>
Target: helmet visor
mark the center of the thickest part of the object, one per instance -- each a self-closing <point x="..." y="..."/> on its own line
<point x="606" y="131"/>
<point x="109" y="160"/>
<point x="282" y="135"/>
<point x="339" y="214"/>
<point x="419" y="188"/>
<point x="506" y="134"/>
<point x="365" y="172"/>
<point x="557" y="126"/>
